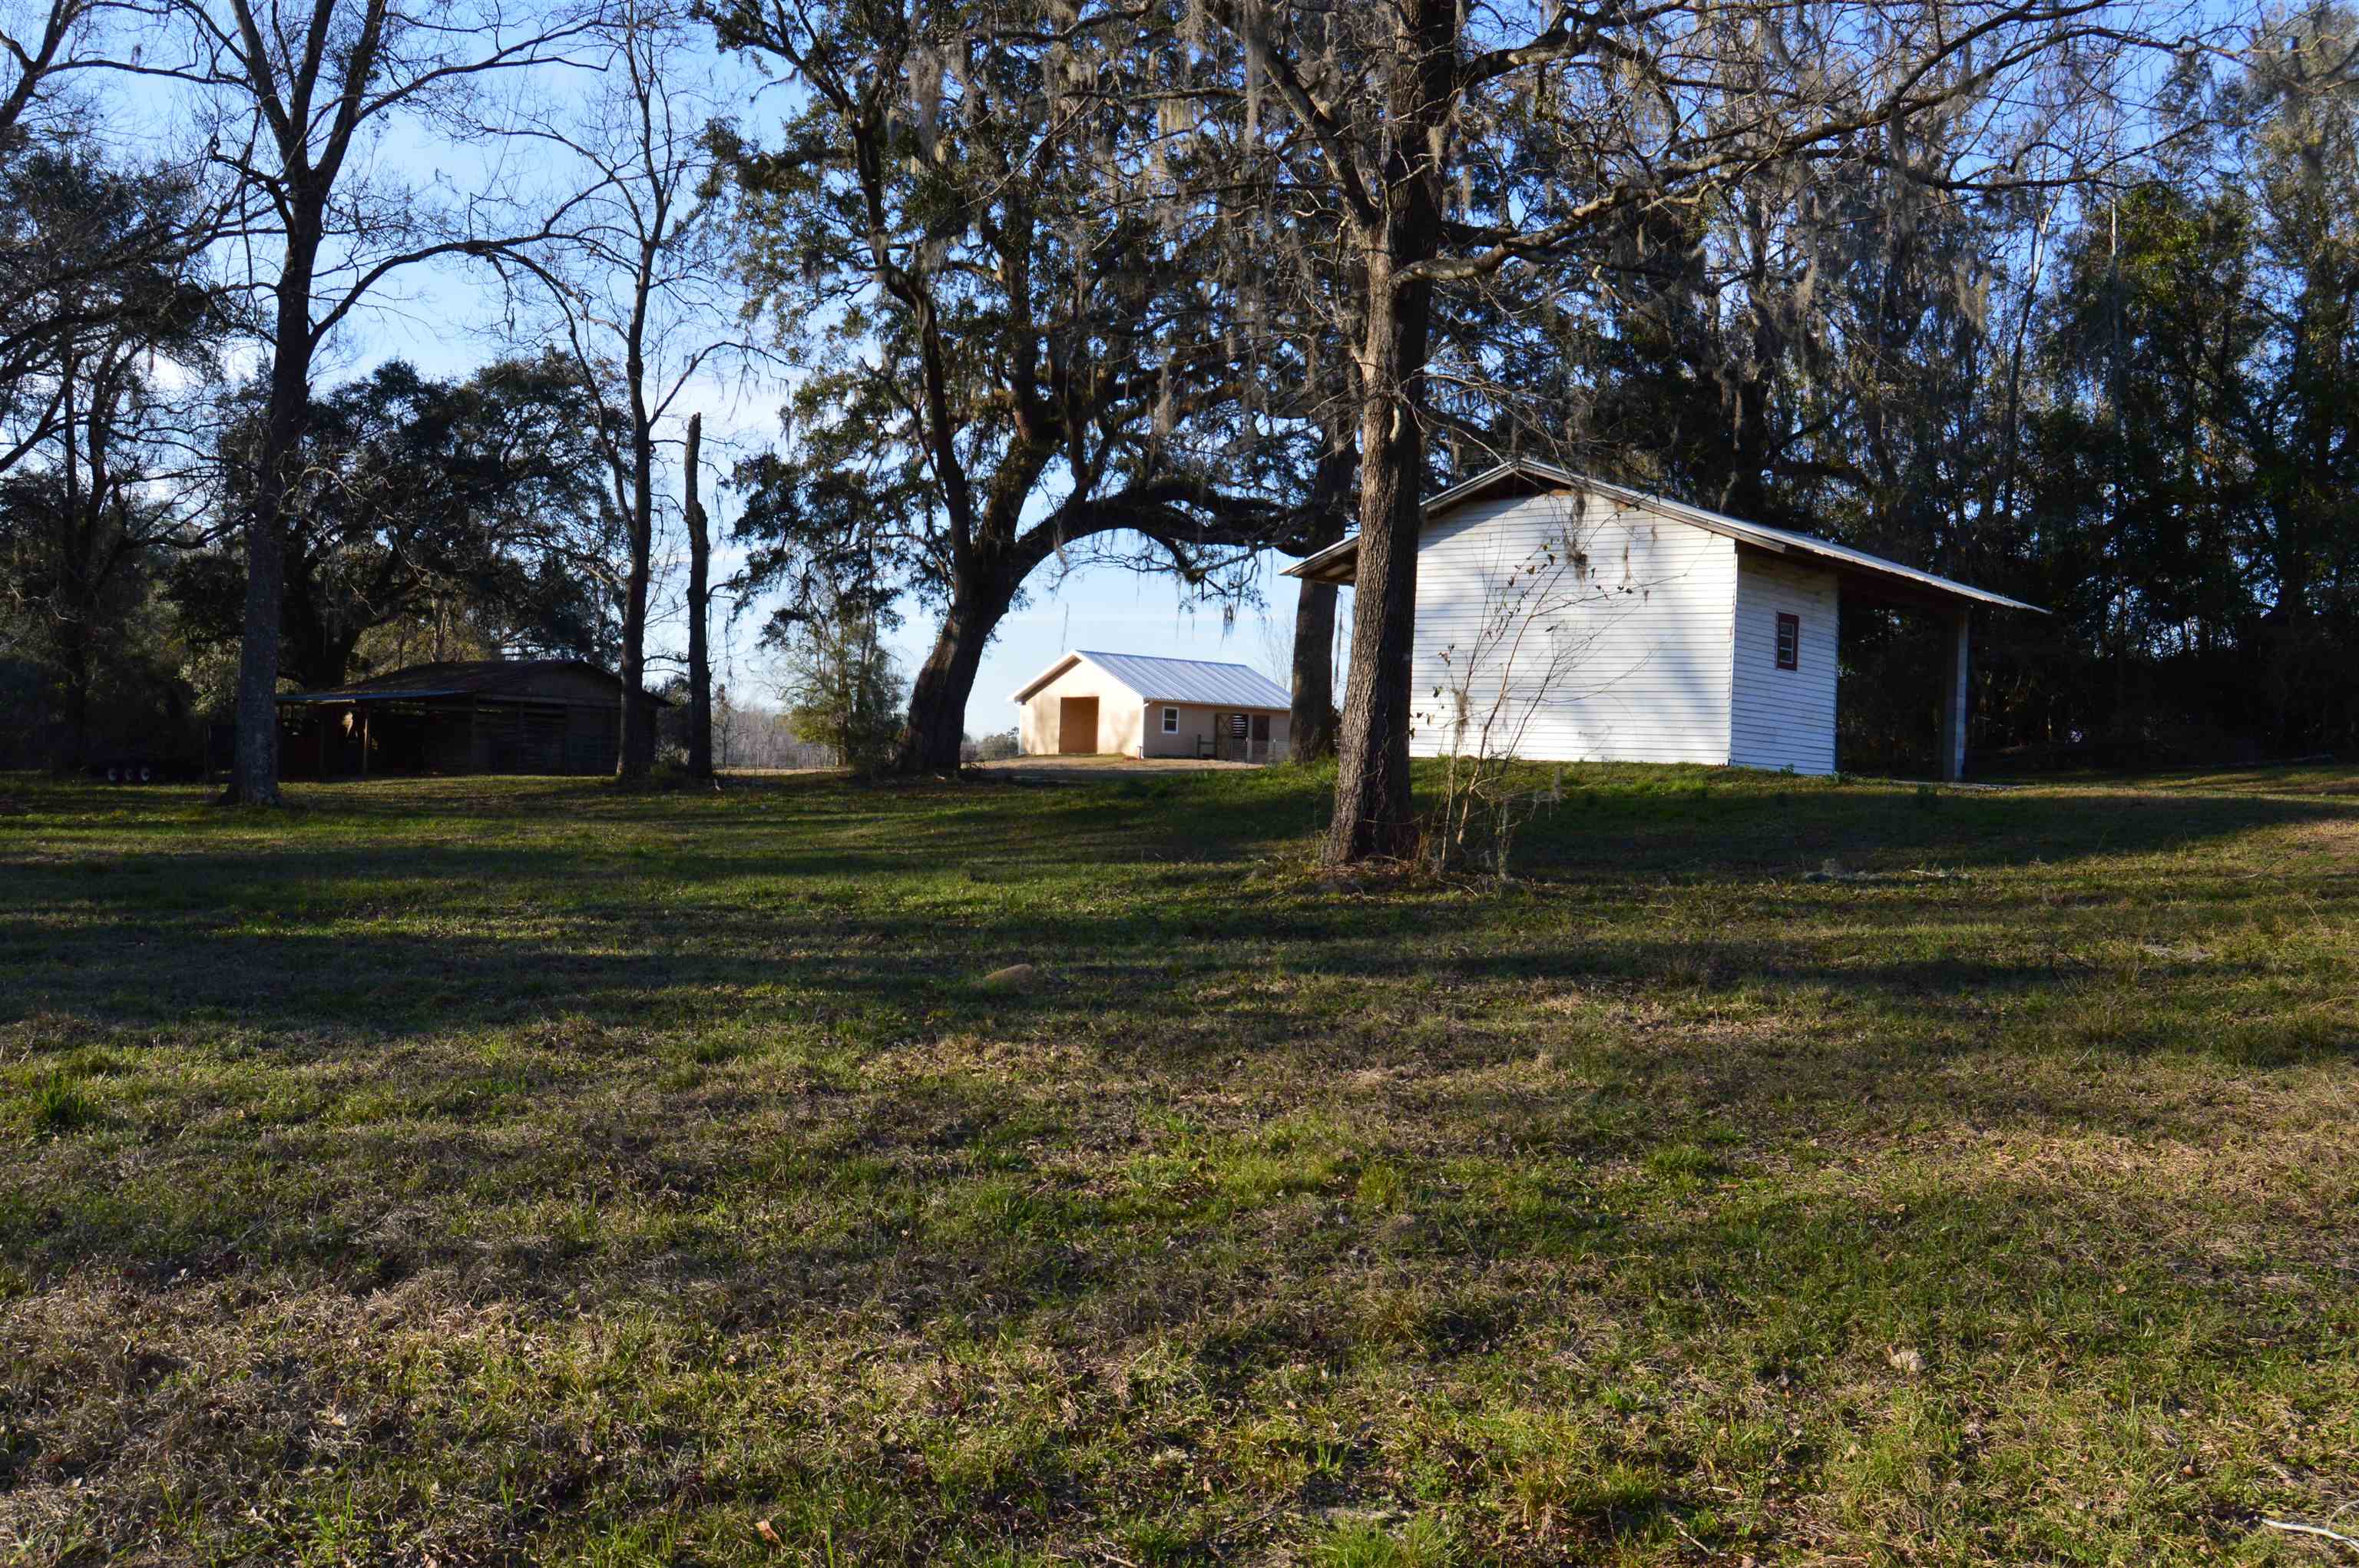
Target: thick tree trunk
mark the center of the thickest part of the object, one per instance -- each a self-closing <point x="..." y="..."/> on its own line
<point x="638" y="738"/>
<point x="937" y="727"/>
<point x="1312" y="726"/>
<point x="638" y="746"/>
<point x="1373" y="817"/>
<point x="254" y="774"/>
<point x="1311" y="722"/>
<point x="699" y="659"/>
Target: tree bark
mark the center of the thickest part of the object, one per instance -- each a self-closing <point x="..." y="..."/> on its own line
<point x="1310" y="723"/>
<point x="254" y="774"/>
<point x="639" y="741"/>
<point x="1373" y="816"/>
<point x="1311" y="727"/>
<point x="931" y="740"/>
<point x="700" y="661"/>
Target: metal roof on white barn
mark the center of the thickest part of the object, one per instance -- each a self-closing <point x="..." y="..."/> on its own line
<point x="1340" y="563"/>
<point x="1174" y="679"/>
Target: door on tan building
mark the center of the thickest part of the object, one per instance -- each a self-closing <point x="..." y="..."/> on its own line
<point x="1077" y="726"/>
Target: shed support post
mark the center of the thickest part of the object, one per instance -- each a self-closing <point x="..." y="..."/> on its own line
<point x="1953" y="702"/>
<point x="364" y="712"/>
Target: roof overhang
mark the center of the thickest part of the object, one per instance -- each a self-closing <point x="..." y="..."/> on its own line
<point x="1063" y="662"/>
<point x="1872" y="575"/>
<point x="424" y="695"/>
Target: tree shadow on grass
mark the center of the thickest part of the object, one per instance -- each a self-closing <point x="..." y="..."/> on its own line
<point x="793" y="958"/>
<point x="850" y="924"/>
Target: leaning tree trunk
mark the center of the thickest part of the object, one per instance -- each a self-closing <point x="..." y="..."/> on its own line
<point x="935" y="730"/>
<point x="700" y="658"/>
<point x="254" y="773"/>
<point x="1374" y="818"/>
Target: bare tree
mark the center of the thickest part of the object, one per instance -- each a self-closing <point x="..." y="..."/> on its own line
<point x="1533" y="652"/>
<point x="45" y="45"/>
<point x="700" y="577"/>
<point x="1442" y="149"/>
<point x="636" y="285"/>
<point x="296" y="96"/>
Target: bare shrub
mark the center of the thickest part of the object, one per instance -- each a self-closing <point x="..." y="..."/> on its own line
<point x="1533" y="647"/>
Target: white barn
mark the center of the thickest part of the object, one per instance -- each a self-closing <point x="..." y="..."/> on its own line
<point x="1562" y="618"/>
<point x="1127" y="704"/>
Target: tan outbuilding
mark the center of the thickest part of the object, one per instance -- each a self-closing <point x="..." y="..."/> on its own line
<point x="1127" y="704"/>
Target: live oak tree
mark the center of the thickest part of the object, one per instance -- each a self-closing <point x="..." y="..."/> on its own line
<point x="1446" y="150"/>
<point x="1012" y="362"/>
<point x="426" y="515"/>
<point x="295" y="97"/>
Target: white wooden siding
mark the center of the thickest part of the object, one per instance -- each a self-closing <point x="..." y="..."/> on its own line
<point x="1630" y="663"/>
<point x="1783" y="718"/>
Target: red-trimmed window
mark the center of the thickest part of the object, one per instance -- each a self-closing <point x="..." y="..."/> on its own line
<point x="1790" y="642"/>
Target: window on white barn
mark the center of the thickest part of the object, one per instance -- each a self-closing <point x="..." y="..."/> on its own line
<point x="1170" y="721"/>
<point x="1790" y="642"/>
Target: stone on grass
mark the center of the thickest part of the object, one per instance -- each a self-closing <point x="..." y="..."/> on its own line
<point x="1015" y="978"/>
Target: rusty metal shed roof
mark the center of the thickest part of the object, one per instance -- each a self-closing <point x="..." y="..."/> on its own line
<point x="515" y="678"/>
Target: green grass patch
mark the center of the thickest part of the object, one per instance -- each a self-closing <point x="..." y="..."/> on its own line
<point x="520" y="1170"/>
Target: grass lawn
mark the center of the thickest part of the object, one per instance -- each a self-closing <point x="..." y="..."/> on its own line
<point x="508" y="1172"/>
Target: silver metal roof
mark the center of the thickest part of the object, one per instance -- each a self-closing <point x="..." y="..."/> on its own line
<point x="1334" y="563"/>
<point x="1173" y="679"/>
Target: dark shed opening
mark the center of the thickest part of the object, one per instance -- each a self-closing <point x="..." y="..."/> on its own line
<point x="540" y="715"/>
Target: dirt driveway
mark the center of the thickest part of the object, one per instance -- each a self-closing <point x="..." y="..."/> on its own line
<point x="1081" y="769"/>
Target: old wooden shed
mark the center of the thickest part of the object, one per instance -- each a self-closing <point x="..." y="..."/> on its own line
<point x="532" y="715"/>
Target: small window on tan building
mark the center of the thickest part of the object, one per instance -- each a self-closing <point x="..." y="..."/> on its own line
<point x="1790" y="642"/>
<point x="1170" y="721"/>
